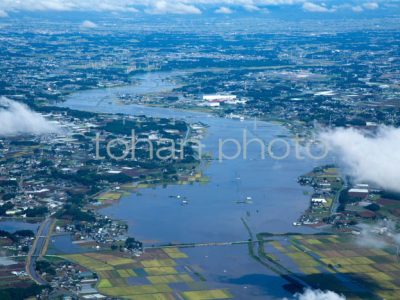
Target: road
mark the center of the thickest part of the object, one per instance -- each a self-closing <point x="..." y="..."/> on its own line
<point x="38" y="248"/>
<point x="204" y="244"/>
<point x="335" y="204"/>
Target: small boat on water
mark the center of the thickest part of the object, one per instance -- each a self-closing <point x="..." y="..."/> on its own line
<point x="177" y="197"/>
<point x="247" y="200"/>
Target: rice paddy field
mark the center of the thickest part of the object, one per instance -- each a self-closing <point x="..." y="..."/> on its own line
<point x="158" y="274"/>
<point x="337" y="263"/>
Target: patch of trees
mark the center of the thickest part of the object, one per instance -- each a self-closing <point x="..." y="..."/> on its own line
<point x="36" y="212"/>
<point x="46" y="163"/>
<point x="17" y="235"/>
<point x="44" y="266"/>
<point x="373" y="207"/>
<point x="24" y="233"/>
<point x="75" y="213"/>
<point x="18" y="293"/>
<point x="89" y="178"/>
<point x="24" y="143"/>
<point x="8" y="196"/>
<point x="391" y="195"/>
<point x="73" y="113"/>
<point x="6" y="206"/>
<point x="133" y="244"/>
<point x="123" y="127"/>
<point x="8" y="183"/>
<point x="79" y="137"/>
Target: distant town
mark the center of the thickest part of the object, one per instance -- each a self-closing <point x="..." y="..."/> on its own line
<point x="56" y="180"/>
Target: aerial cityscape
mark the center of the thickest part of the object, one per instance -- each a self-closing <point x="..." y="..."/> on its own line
<point x="200" y="149"/>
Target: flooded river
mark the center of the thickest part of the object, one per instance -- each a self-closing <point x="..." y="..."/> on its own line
<point x="215" y="210"/>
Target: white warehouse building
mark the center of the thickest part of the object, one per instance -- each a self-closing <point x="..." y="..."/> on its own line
<point x="217" y="97"/>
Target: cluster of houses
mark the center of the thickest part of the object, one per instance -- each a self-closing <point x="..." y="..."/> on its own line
<point x="103" y="232"/>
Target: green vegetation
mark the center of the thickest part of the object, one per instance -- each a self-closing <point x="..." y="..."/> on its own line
<point x="20" y="293"/>
<point x="43" y="266"/>
<point x="158" y="268"/>
<point x="17" y="235"/>
<point x="335" y="262"/>
<point x="75" y="213"/>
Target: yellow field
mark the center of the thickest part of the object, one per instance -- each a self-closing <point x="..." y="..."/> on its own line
<point x="356" y="268"/>
<point x="161" y="271"/>
<point x="110" y="259"/>
<point x="327" y="256"/>
<point x="314" y="242"/>
<point x="307" y="263"/>
<point x="331" y="170"/>
<point x="389" y="295"/>
<point x="109" y="197"/>
<point x="126" y="273"/>
<point x="207" y="295"/>
<point x="310" y="270"/>
<point x="90" y="263"/>
<point x="158" y="263"/>
<point x="156" y="271"/>
<point x="99" y="262"/>
<point x="135" y="290"/>
<point x="145" y="186"/>
<point x="278" y="246"/>
<point x="175" y="253"/>
<point x="347" y="261"/>
<point x="169" y="279"/>
<point x="157" y="296"/>
<point x="104" y="283"/>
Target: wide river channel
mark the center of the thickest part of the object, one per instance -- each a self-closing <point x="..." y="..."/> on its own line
<point x="213" y="212"/>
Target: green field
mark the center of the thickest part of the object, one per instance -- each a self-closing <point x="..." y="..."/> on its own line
<point x="318" y="259"/>
<point x="154" y="273"/>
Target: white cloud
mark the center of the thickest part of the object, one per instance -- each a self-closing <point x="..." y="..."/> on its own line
<point x="149" y="6"/>
<point x="367" y="158"/>
<point x="369" y="237"/>
<point x="88" y="24"/>
<point x="17" y="119"/>
<point x="251" y="7"/>
<point x="71" y="5"/>
<point x="371" y="5"/>
<point x="312" y="7"/>
<point x="168" y="7"/>
<point x="357" y="8"/>
<point x="318" y="295"/>
<point x="3" y="14"/>
<point x="382" y="234"/>
<point x="224" y="10"/>
<point x="40" y="5"/>
<point x="120" y="7"/>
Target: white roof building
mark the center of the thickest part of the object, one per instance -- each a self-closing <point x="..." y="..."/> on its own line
<point x="219" y="97"/>
<point x="358" y="191"/>
<point x="318" y="200"/>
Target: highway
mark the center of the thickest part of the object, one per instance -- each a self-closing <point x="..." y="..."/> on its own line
<point x="38" y="250"/>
